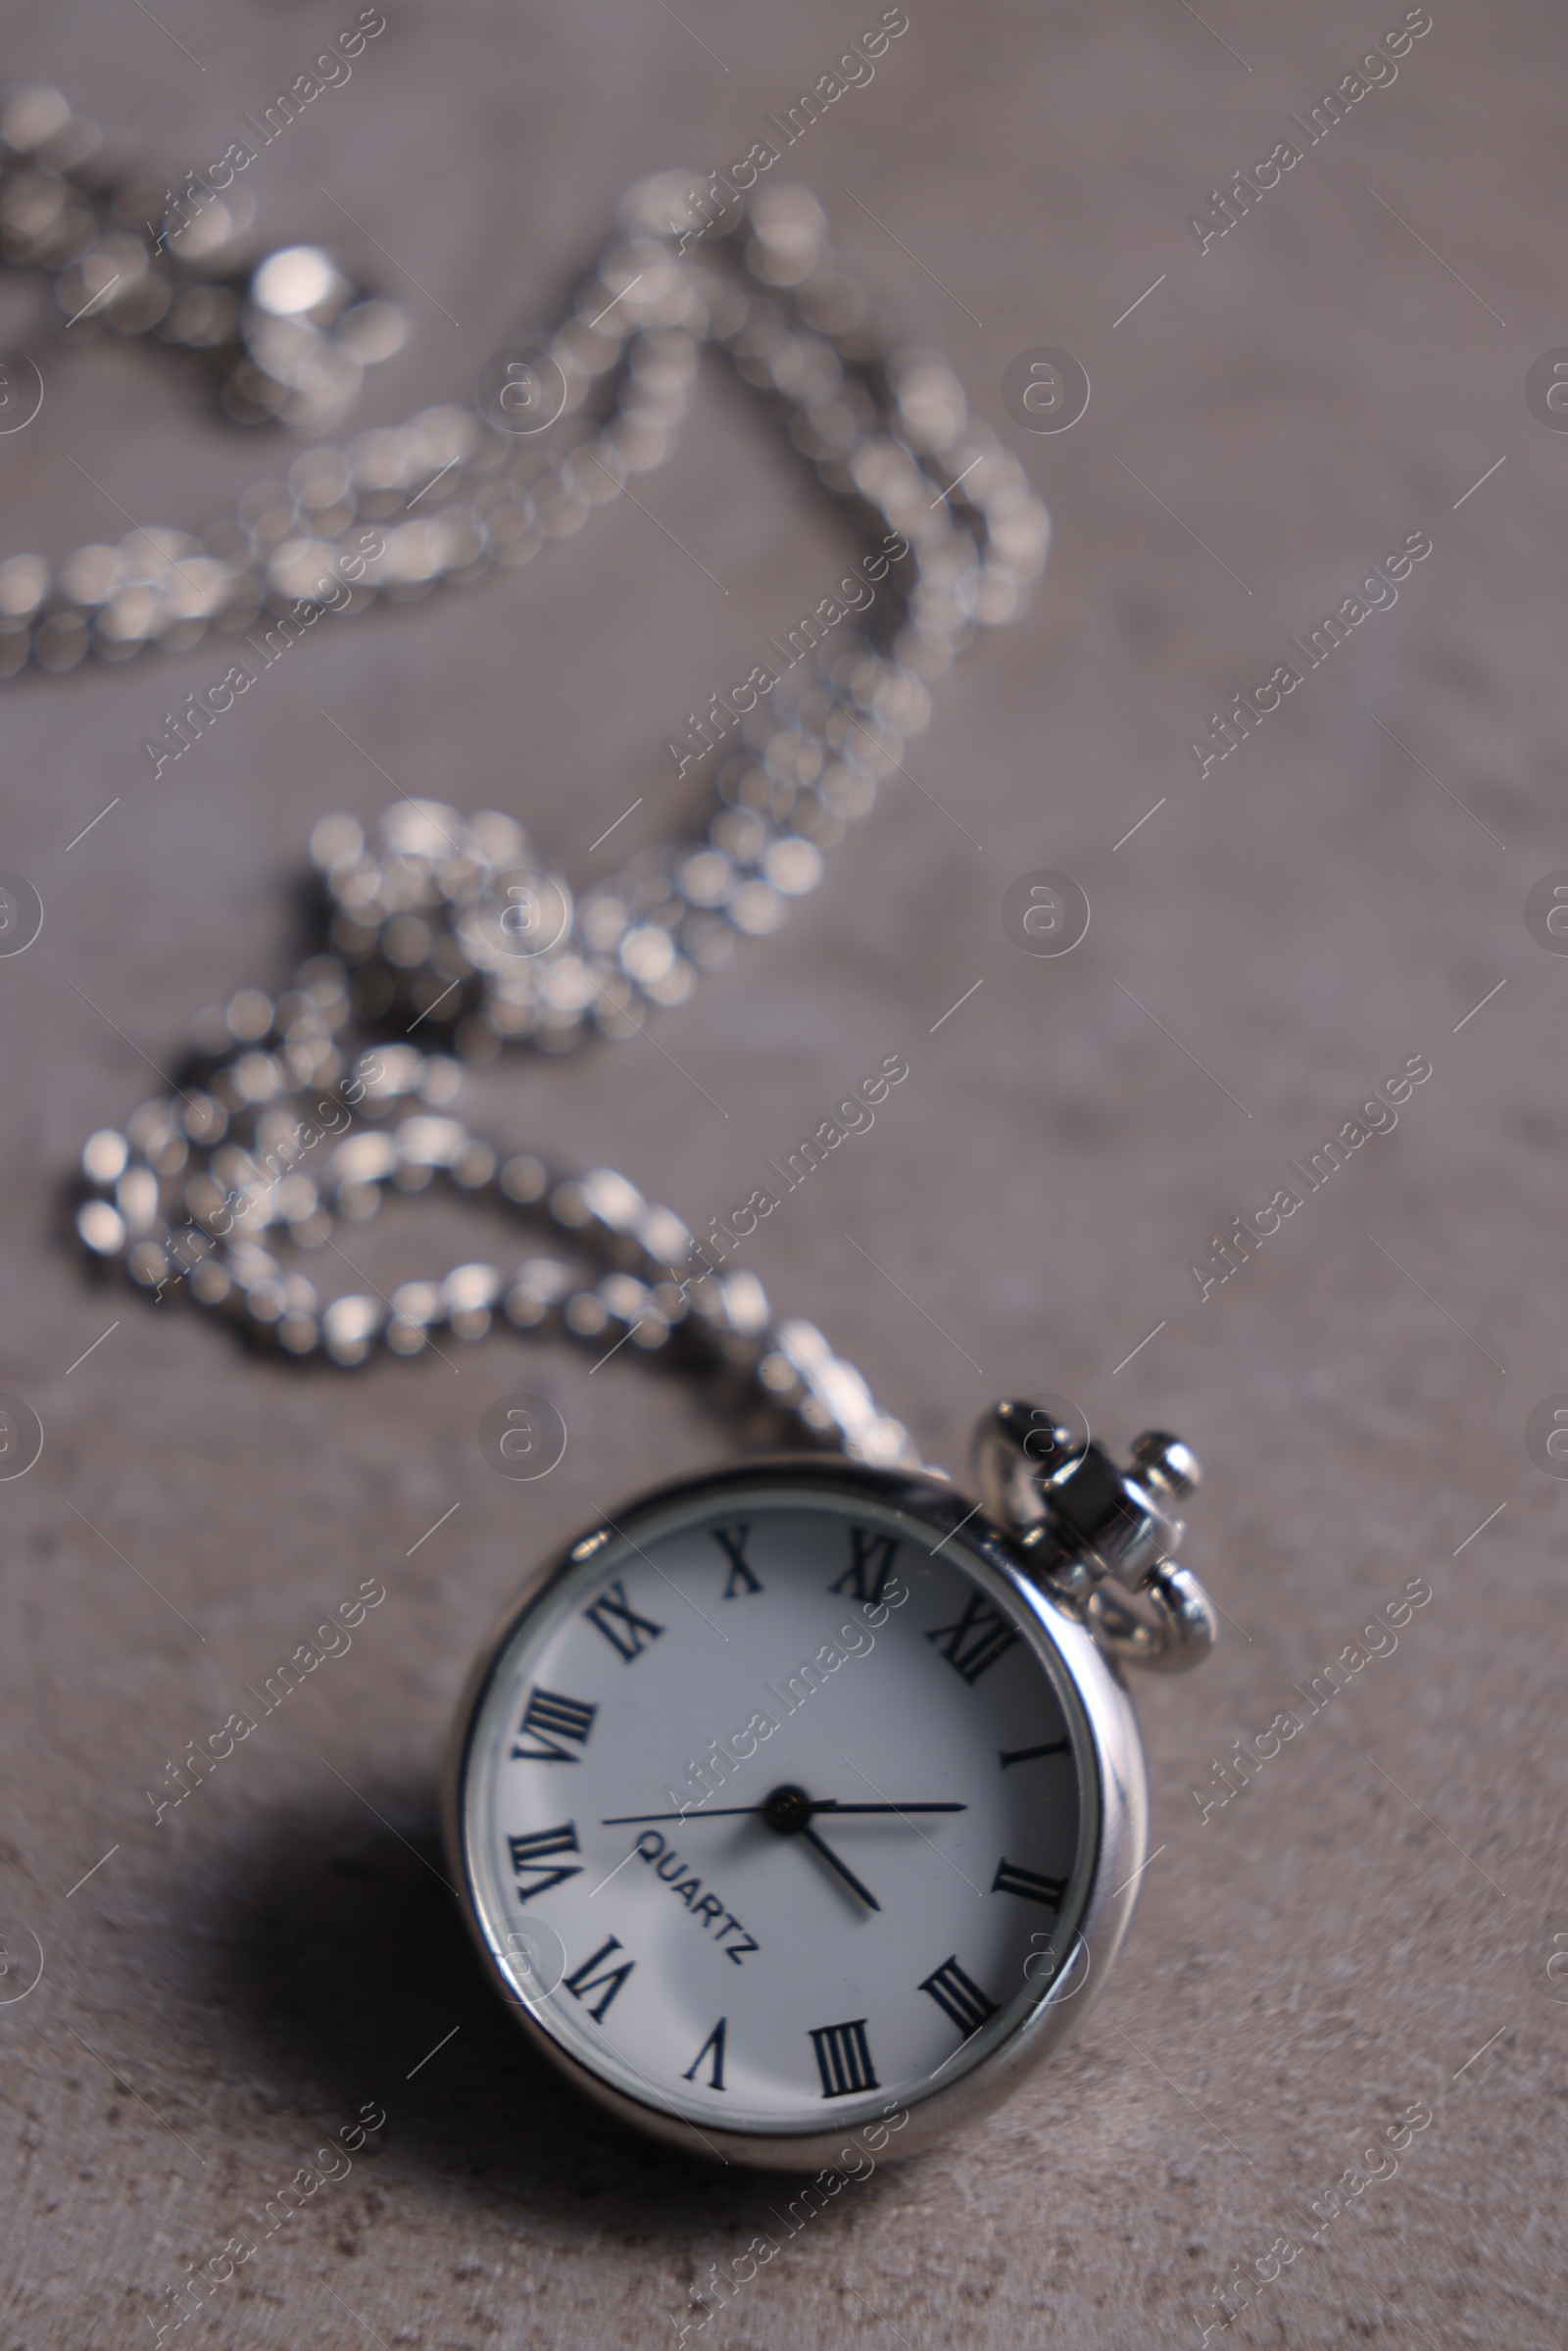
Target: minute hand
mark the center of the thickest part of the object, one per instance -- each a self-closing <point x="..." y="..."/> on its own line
<point x="832" y="1804"/>
<point x="723" y="1812"/>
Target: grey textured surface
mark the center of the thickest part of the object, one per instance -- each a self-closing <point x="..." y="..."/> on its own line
<point x="226" y="1989"/>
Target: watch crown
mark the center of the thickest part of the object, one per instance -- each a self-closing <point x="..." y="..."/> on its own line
<point x="1165" y="1464"/>
<point x="1092" y="1533"/>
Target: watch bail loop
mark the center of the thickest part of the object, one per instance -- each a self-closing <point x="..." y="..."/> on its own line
<point x="1100" y="1539"/>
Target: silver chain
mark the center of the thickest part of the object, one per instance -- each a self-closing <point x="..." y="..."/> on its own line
<point x="288" y="337"/>
<point x="295" y="1113"/>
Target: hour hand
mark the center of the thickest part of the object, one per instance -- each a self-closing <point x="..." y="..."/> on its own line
<point x="818" y="1845"/>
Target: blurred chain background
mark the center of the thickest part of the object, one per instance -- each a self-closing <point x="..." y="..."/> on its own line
<point x="1275" y="933"/>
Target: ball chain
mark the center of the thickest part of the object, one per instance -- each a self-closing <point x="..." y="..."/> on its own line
<point x="254" y="1144"/>
<point x="454" y="924"/>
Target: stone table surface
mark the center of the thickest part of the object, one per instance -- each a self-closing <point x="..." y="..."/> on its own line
<point x="1367" y="1928"/>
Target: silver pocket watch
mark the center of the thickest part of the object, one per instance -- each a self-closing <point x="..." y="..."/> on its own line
<point x="808" y="1792"/>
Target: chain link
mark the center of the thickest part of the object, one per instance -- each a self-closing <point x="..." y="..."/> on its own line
<point x="454" y="925"/>
<point x="288" y="337"/>
<point x="253" y="1150"/>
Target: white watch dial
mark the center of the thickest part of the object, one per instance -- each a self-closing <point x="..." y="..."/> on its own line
<point x="777" y="1810"/>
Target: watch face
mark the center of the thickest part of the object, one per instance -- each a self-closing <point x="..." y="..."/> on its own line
<point x="778" y="1809"/>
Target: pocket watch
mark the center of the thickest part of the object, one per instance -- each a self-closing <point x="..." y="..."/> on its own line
<point x="807" y="1790"/>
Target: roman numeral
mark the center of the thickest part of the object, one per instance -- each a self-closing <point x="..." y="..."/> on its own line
<point x="584" y="1981"/>
<point x="959" y="1996"/>
<point x="715" y="2043"/>
<point x="985" y="1633"/>
<point x="1010" y="1880"/>
<point x="843" y="2058"/>
<point x="1055" y="1746"/>
<point x="613" y="1615"/>
<point x="547" y="1718"/>
<point x="531" y="1864"/>
<point x="873" y="1551"/>
<point x="731" y="1540"/>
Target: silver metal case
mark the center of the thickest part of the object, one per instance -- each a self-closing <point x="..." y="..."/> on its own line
<point x="1114" y="1808"/>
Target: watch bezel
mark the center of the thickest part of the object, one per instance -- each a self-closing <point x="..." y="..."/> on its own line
<point x="1121" y="1812"/>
